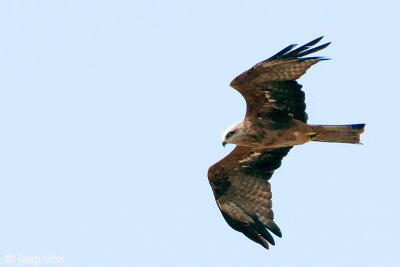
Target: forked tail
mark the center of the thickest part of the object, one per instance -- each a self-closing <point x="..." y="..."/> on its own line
<point x="338" y="133"/>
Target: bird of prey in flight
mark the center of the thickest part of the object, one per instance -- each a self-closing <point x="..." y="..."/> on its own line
<point x="275" y="121"/>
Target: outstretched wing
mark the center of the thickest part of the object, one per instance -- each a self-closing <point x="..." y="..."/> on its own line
<point x="243" y="193"/>
<point x="270" y="89"/>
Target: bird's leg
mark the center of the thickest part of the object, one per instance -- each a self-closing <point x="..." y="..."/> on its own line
<point x="312" y="135"/>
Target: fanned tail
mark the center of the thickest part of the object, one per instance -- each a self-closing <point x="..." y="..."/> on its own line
<point x="338" y="133"/>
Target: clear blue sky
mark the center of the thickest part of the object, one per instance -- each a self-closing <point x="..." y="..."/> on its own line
<point x="111" y="113"/>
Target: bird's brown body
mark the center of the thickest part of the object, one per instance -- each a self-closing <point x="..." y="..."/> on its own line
<point x="256" y="134"/>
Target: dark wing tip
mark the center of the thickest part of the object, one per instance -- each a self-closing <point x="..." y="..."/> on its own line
<point x="313" y="42"/>
<point x="282" y="52"/>
<point x="313" y="50"/>
<point x="261" y="230"/>
<point x="299" y="52"/>
<point x="324" y="58"/>
<point x="273" y="228"/>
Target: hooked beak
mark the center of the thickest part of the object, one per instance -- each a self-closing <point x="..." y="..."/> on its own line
<point x="223" y="144"/>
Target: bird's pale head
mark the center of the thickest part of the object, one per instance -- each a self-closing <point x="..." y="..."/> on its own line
<point x="233" y="134"/>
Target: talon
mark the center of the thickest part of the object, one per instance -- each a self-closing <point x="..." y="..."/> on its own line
<point x="312" y="135"/>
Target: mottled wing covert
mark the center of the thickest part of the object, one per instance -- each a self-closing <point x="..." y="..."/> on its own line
<point x="270" y="89"/>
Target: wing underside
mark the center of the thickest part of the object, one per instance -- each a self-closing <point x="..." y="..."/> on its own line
<point x="270" y="86"/>
<point x="243" y="193"/>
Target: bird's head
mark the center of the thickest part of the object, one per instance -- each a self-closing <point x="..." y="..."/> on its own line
<point x="233" y="134"/>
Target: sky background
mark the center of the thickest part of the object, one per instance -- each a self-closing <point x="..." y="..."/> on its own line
<point x="111" y="113"/>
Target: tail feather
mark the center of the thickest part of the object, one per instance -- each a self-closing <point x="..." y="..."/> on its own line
<point x="338" y="133"/>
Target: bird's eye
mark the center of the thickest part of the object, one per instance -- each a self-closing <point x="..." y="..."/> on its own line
<point x="228" y="135"/>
